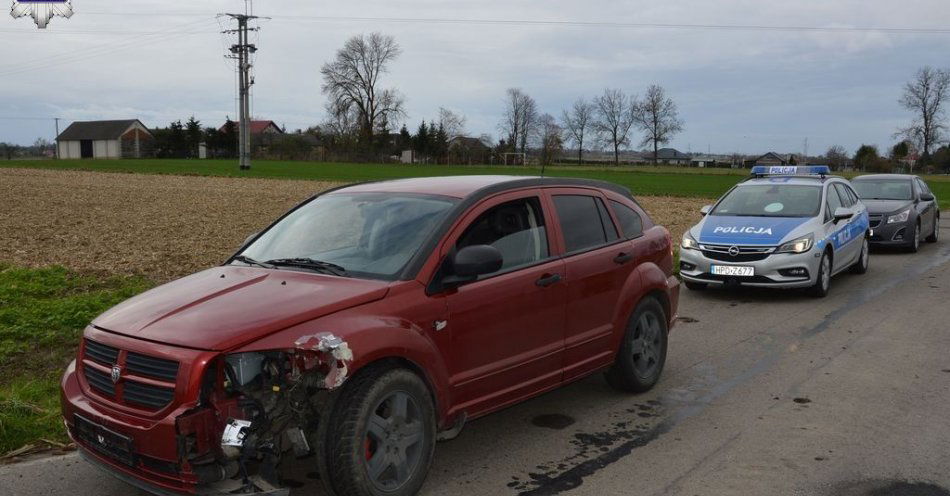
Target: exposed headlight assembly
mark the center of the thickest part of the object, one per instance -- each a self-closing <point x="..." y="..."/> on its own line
<point x="689" y="243"/>
<point x="901" y="217"/>
<point x="800" y="245"/>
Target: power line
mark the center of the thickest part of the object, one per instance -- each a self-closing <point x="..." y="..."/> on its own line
<point x="582" y="24"/>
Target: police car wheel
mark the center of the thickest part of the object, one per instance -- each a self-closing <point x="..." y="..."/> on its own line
<point x="820" y="289"/>
<point x="643" y="350"/>
<point x="696" y="286"/>
<point x="861" y="266"/>
<point x="914" y="245"/>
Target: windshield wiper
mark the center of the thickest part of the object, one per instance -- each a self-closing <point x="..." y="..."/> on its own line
<point x="251" y="261"/>
<point x="309" y="263"/>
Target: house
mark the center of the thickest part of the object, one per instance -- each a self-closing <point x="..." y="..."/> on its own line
<point x="771" y="158"/>
<point x="671" y="156"/>
<point x="105" y="139"/>
<point x="703" y="161"/>
<point x="257" y="128"/>
<point x="467" y="150"/>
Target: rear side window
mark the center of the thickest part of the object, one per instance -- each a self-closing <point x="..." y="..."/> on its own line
<point x="630" y="221"/>
<point x="582" y="222"/>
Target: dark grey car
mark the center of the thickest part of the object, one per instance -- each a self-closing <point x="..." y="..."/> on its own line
<point x="901" y="207"/>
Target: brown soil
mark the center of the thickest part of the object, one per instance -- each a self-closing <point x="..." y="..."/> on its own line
<point x="165" y="227"/>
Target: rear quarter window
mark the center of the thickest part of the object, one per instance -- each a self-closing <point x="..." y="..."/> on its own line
<point x="630" y="222"/>
<point x="581" y="222"/>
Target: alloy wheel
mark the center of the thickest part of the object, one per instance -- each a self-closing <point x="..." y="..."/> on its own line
<point x="646" y="344"/>
<point x="394" y="441"/>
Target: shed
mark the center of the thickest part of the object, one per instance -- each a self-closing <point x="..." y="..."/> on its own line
<point x="105" y="139"/>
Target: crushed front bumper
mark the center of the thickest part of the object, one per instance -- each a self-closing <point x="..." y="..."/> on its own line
<point x="771" y="272"/>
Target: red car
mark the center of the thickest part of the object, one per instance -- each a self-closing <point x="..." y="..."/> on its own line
<point x="367" y="323"/>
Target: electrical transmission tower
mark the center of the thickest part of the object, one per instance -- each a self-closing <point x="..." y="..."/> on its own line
<point x="241" y="52"/>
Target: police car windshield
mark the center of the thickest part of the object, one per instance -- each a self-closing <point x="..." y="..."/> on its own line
<point x="770" y="200"/>
<point x="892" y="189"/>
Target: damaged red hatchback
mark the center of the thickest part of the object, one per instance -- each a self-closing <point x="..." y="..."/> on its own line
<point x="367" y="323"/>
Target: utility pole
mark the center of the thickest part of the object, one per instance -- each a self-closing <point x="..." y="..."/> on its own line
<point x="242" y="53"/>
<point x="56" y="139"/>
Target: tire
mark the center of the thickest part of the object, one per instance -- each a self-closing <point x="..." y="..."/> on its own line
<point x="914" y="244"/>
<point x="823" y="282"/>
<point x="861" y="265"/>
<point x="695" y="286"/>
<point x="642" y="352"/>
<point x="383" y="435"/>
<point x="935" y="236"/>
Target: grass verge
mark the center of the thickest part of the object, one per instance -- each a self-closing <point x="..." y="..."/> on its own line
<point x="42" y="314"/>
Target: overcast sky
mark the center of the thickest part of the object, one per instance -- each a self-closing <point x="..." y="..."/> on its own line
<point x="737" y="89"/>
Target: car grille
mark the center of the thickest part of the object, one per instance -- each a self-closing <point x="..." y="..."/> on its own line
<point x="746" y="253"/>
<point x="128" y="389"/>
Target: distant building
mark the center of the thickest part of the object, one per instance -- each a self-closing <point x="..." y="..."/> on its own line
<point x="703" y="161"/>
<point x="466" y="150"/>
<point x="770" y="158"/>
<point x="105" y="139"/>
<point x="671" y="156"/>
<point x="257" y="128"/>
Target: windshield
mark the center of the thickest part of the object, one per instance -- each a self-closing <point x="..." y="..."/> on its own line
<point x="893" y="189"/>
<point x="771" y="200"/>
<point x="371" y="235"/>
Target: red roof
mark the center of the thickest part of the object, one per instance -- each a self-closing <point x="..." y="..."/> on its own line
<point x="257" y="127"/>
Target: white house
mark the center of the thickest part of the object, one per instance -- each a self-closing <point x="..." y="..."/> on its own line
<point x="105" y="139"/>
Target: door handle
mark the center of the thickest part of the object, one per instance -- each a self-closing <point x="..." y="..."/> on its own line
<point x="623" y="258"/>
<point x="548" y="279"/>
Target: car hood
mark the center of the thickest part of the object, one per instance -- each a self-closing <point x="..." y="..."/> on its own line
<point x="736" y="230"/>
<point x="225" y="307"/>
<point x="886" y="206"/>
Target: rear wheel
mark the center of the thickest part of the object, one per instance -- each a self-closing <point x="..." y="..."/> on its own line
<point x="643" y="349"/>
<point x="934" y="236"/>
<point x="384" y="435"/>
<point x="861" y="266"/>
<point x="823" y="282"/>
<point x="695" y="286"/>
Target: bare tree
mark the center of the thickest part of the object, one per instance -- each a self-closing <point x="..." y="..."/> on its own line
<point x="615" y="117"/>
<point x="837" y="157"/>
<point x="658" y="118"/>
<point x="452" y="123"/>
<point x="577" y="122"/>
<point x="521" y="117"/>
<point x="352" y="81"/>
<point x="926" y="96"/>
<point x="550" y="139"/>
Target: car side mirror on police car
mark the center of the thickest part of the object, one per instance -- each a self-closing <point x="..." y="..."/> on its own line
<point x="842" y="213"/>
<point x="705" y="210"/>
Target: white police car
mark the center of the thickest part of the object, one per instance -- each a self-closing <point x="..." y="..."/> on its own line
<point x="785" y="227"/>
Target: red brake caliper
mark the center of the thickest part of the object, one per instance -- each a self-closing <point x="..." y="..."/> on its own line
<point x="369" y="448"/>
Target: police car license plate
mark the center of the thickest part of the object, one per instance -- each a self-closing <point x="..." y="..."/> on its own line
<point x="733" y="270"/>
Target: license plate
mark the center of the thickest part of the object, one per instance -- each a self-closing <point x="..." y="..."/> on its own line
<point x="104" y="440"/>
<point x="733" y="270"/>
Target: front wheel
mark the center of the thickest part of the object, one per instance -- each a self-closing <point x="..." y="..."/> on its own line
<point x="820" y="289"/>
<point x="384" y="429"/>
<point x="914" y="245"/>
<point x="861" y="266"/>
<point x="643" y="350"/>
<point x="934" y="236"/>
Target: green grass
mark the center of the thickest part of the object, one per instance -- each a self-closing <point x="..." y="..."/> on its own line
<point x="42" y="315"/>
<point x="641" y="180"/>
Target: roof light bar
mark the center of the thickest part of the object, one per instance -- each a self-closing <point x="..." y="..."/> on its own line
<point x="791" y="170"/>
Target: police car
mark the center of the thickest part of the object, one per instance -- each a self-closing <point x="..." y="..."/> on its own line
<point x="784" y="227"/>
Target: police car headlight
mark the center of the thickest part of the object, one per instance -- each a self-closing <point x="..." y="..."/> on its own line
<point x="689" y="243"/>
<point x="798" y="246"/>
<point x="901" y="217"/>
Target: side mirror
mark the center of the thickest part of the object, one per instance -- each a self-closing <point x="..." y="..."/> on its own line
<point x="476" y="260"/>
<point x="842" y="213"/>
<point x="705" y="210"/>
<point x="926" y="197"/>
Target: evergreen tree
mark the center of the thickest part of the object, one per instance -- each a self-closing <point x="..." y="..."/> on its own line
<point x="193" y="136"/>
<point x="421" y="140"/>
<point x="441" y="144"/>
<point x="405" y="139"/>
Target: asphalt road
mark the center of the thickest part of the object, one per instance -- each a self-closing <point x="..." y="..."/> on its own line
<point x="765" y="392"/>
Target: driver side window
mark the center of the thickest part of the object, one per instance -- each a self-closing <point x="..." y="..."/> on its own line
<point x="832" y="202"/>
<point x="515" y="228"/>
